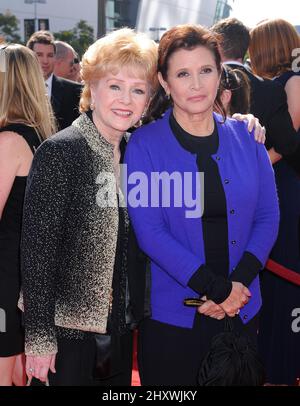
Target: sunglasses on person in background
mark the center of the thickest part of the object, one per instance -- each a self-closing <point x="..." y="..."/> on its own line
<point x="74" y="62"/>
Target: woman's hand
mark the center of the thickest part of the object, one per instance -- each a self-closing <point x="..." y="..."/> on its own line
<point x="211" y="309"/>
<point x="253" y="122"/>
<point x="38" y="366"/>
<point x="237" y="299"/>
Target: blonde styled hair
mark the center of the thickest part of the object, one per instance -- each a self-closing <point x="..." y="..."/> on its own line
<point x="23" y="93"/>
<point x="118" y="49"/>
<point x="271" y="45"/>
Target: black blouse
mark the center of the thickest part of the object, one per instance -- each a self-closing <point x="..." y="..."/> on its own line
<point x="212" y="278"/>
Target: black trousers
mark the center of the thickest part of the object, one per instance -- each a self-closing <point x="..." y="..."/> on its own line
<point x="171" y="355"/>
<point x="75" y="362"/>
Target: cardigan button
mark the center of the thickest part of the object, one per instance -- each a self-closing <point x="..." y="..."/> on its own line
<point x="226" y="181"/>
<point x="245" y="317"/>
<point x="232" y="211"/>
<point x="233" y="242"/>
<point x="218" y="158"/>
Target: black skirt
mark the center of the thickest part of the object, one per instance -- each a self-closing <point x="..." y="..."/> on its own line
<point x="171" y="355"/>
<point x="76" y="359"/>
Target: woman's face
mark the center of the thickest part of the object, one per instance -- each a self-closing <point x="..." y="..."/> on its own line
<point x="119" y="100"/>
<point x="192" y="80"/>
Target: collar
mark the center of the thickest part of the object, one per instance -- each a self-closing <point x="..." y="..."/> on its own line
<point x="200" y="145"/>
<point x="183" y="154"/>
<point x="233" y="63"/>
<point x="98" y="144"/>
<point x="92" y="136"/>
<point x="244" y="67"/>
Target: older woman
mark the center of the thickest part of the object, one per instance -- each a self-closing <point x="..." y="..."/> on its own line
<point x="273" y="52"/>
<point x="25" y="120"/>
<point x="75" y="241"/>
<point x="210" y="240"/>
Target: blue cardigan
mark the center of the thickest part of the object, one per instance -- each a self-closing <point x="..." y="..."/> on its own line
<point x="174" y="242"/>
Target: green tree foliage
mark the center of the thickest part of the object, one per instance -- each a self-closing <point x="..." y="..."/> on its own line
<point x="9" y="27"/>
<point x="80" y="37"/>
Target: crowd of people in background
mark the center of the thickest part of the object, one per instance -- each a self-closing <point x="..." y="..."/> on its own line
<point x="82" y="269"/>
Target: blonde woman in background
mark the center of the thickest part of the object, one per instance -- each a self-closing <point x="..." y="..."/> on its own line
<point x="25" y="121"/>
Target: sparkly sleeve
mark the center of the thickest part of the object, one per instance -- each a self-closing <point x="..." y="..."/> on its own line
<point x="45" y="205"/>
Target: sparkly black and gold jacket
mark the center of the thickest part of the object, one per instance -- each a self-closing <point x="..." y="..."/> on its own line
<point x="69" y="238"/>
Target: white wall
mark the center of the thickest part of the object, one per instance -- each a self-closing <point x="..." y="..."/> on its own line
<point x="167" y="13"/>
<point x="62" y="14"/>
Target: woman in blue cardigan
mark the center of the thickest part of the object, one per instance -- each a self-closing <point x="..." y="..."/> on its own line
<point x="208" y="234"/>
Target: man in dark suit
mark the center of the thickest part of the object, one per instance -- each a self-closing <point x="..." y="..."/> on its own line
<point x="64" y="94"/>
<point x="268" y="98"/>
<point x="65" y="98"/>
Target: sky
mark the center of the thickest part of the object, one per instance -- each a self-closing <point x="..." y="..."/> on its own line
<point x="250" y="12"/>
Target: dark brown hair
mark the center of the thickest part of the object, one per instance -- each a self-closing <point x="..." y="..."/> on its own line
<point x="235" y="38"/>
<point x="238" y="83"/>
<point x="187" y="36"/>
<point x="41" y="37"/>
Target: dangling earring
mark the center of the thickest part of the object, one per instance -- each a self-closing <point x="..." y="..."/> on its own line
<point x="92" y="106"/>
<point x="167" y="96"/>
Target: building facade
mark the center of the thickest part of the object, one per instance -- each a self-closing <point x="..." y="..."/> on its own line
<point x="222" y="10"/>
<point x="121" y="13"/>
<point x="55" y="15"/>
<point x="58" y="15"/>
<point x="156" y="16"/>
<point x="150" y="16"/>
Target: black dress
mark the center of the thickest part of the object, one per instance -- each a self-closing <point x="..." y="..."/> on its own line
<point x="178" y="351"/>
<point x="11" y="332"/>
<point x="279" y="338"/>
